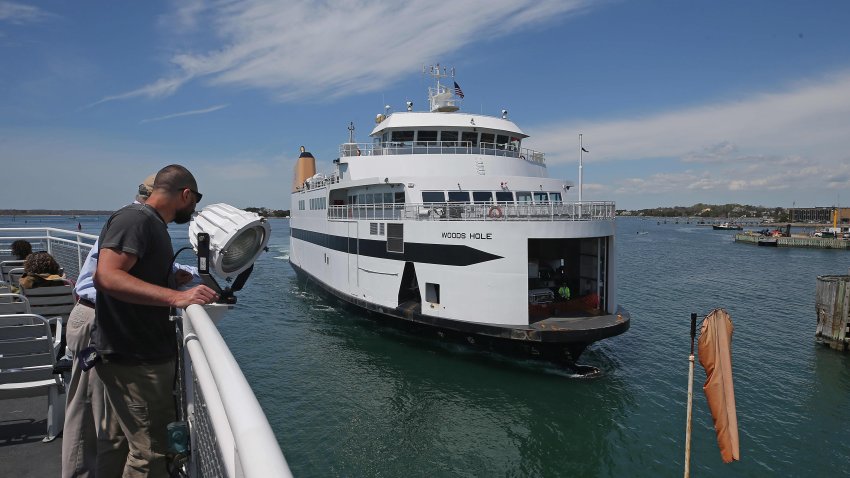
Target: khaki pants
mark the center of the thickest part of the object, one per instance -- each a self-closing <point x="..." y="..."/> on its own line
<point x="85" y="411"/>
<point x="140" y="398"/>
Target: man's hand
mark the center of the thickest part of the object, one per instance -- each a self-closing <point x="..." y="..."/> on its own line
<point x="196" y="295"/>
<point x="182" y="277"/>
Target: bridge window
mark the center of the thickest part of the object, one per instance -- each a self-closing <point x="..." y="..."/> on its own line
<point x="448" y="137"/>
<point x="403" y="137"/>
<point x="426" y="136"/>
<point x="388" y="198"/>
<point x="541" y="197"/>
<point x="482" y="196"/>
<point x="555" y="198"/>
<point x="469" y="137"/>
<point x="504" y="196"/>
<point x="523" y="197"/>
<point x="488" y="138"/>
<point x="501" y="139"/>
<point x="458" y="196"/>
<point x="399" y="197"/>
<point x="433" y="196"/>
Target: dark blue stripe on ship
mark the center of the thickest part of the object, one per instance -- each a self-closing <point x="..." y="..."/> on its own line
<point x="444" y="254"/>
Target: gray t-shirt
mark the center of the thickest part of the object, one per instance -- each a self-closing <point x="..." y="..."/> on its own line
<point x="133" y="332"/>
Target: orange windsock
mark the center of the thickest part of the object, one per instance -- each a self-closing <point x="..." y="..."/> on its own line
<point x="715" y="355"/>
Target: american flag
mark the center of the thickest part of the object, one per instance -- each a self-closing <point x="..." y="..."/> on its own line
<point x="458" y="91"/>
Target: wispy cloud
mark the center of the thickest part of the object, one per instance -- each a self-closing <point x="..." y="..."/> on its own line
<point x="185" y="113"/>
<point x="160" y="88"/>
<point x="20" y="14"/>
<point x="313" y="49"/>
<point x="789" y="139"/>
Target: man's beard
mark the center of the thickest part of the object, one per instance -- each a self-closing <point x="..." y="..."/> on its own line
<point x="183" y="216"/>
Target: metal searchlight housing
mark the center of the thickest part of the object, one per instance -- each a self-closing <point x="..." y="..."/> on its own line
<point x="227" y="241"/>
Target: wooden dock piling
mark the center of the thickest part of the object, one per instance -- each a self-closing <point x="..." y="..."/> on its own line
<point x="832" y="302"/>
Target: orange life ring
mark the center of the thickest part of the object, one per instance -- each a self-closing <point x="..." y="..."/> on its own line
<point x="495" y="212"/>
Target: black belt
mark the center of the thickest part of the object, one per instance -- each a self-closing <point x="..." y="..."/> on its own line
<point x="86" y="303"/>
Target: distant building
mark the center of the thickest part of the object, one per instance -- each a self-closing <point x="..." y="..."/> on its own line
<point x="819" y="214"/>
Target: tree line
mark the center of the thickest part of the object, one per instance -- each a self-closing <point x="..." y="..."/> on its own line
<point x="266" y="212"/>
<point x="712" y="211"/>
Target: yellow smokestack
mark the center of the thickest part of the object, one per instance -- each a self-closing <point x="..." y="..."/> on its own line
<point x="305" y="168"/>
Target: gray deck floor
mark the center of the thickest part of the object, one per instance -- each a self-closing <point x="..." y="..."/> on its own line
<point x="23" y="424"/>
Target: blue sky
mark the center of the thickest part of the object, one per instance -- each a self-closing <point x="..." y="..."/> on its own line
<point x="678" y="102"/>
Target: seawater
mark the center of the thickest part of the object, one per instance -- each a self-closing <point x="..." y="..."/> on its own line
<point x="347" y="397"/>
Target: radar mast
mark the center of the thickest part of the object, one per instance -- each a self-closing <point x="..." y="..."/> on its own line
<point x="440" y="97"/>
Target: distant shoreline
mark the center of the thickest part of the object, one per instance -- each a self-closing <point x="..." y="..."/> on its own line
<point x="51" y="212"/>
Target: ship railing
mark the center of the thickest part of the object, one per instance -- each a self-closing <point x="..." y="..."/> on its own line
<point x="506" y="150"/>
<point x="319" y="181"/>
<point x="572" y="211"/>
<point x="229" y="433"/>
<point x="69" y="248"/>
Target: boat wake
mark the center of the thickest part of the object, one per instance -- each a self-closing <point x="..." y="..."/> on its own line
<point x="322" y="308"/>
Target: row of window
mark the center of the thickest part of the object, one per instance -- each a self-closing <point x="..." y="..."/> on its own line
<point x="522" y="197"/>
<point x="377" y="198"/>
<point x="409" y="137"/>
<point x="318" y="203"/>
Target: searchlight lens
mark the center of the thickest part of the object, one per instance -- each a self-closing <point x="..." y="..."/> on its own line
<point x="243" y="250"/>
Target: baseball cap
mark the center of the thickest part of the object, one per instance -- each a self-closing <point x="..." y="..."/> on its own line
<point x="146" y="188"/>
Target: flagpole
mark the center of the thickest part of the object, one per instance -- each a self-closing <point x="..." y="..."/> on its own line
<point x="690" y="397"/>
<point x="580" y="166"/>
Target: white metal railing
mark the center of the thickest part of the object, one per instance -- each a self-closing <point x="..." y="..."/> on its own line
<point x="575" y="211"/>
<point x="240" y="436"/>
<point x="69" y="248"/>
<point x="441" y="147"/>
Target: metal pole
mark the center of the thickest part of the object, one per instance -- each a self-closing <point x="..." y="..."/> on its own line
<point x="580" y="165"/>
<point x="690" y="398"/>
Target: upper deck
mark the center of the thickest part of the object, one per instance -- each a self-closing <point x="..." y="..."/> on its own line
<point x="506" y="150"/>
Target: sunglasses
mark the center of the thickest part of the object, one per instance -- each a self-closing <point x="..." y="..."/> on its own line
<point x="198" y="195"/>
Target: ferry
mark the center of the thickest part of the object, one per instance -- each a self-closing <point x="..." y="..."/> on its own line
<point x="445" y="224"/>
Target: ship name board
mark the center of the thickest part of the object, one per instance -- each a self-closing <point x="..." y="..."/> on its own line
<point x="471" y="235"/>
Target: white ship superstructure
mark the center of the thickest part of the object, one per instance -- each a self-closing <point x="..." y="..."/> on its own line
<point x="446" y="224"/>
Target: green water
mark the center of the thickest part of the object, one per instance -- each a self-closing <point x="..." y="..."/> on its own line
<point x="349" y="398"/>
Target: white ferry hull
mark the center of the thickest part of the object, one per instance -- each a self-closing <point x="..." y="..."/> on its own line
<point x="482" y="272"/>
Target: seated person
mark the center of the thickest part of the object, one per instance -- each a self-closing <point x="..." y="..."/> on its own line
<point x="21" y="249"/>
<point x="41" y="270"/>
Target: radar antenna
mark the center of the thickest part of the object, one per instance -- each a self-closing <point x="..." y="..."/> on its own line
<point x="440" y="97"/>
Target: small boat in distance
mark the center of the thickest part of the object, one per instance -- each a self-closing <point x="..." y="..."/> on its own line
<point x="728" y="226"/>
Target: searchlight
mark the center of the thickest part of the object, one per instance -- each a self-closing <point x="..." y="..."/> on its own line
<point x="227" y="241"/>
